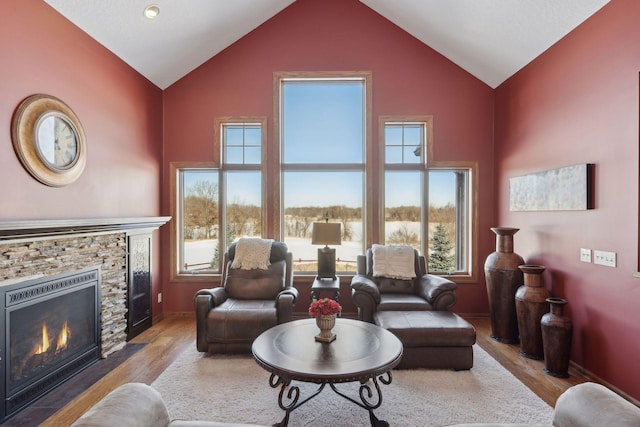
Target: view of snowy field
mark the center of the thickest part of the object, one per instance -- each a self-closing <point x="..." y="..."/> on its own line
<point x="199" y="253"/>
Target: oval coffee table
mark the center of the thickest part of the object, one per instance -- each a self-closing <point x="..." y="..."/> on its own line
<point x="362" y="352"/>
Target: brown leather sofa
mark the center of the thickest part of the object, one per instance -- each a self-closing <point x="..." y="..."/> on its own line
<point x="426" y="292"/>
<point x="249" y="302"/>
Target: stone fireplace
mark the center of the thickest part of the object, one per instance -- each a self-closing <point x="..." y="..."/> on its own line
<point x="33" y="253"/>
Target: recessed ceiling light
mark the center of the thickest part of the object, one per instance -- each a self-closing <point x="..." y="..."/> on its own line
<point x="151" y="12"/>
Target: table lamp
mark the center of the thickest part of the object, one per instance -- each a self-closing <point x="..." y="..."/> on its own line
<point x="326" y="233"/>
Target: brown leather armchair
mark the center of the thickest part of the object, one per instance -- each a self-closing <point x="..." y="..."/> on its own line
<point x="249" y="302"/>
<point x="424" y="292"/>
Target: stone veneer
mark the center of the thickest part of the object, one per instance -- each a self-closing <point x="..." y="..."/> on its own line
<point x="48" y="256"/>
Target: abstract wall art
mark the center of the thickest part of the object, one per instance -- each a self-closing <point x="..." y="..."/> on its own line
<point x="567" y="188"/>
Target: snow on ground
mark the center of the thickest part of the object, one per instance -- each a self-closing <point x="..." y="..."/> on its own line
<point x="201" y="251"/>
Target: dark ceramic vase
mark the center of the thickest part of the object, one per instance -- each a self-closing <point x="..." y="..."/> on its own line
<point x="531" y="305"/>
<point x="557" y="330"/>
<point x="503" y="280"/>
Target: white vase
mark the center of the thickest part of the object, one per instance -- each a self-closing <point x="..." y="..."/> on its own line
<point x="326" y="324"/>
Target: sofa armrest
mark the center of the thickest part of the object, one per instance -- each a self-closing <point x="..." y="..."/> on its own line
<point x="591" y="404"/>
<point x="365" y="295"/>
<point x="131" y="404"/>
<point x="438" y="291"/>
<point x="285" y="301"/>
<point x="204" y="301"/>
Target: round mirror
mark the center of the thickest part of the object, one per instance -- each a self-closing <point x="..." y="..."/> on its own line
<point x="49" y="140"/>
<point x="56" y="141"/>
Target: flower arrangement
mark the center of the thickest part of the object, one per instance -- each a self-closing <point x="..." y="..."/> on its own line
<point x="324" y="307"/>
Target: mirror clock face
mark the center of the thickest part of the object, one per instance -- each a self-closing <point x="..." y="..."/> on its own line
<point x="56" y="141"/>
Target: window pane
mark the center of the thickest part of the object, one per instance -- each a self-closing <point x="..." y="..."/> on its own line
<point x="234" y="155"/>
<point x="253" y="136"/>
<point x="242" y="143"/>
<point x="243" y="213"/>
<point x="402" y="209"/>
<point x="403" y="143"/>
<point x="393" y="155"/>
<point x="309" y="197"/>
<point x="233" y="136"/>
<point x="252" y="155"/>
<point x="199" y="220"/>
<point x="442" y="221"/>
<point x="323" y="122"/>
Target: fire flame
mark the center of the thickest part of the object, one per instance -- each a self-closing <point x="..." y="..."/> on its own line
<point x="61" y="344"/>
<point x="63" y="338"/>
<point x="45" y="341"/>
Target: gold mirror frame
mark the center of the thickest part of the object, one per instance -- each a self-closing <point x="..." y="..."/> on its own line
<point x="24" y="133"/>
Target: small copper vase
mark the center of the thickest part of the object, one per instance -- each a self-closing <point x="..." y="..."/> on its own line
<point x="557" y="330"/>
<point x="326" y="324"/>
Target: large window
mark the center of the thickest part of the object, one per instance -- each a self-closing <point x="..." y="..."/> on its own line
<point x="425" y="207"/>
<point x="322" y="139"/>
<point x="216" y="204"/>
<point x="322" y="164"/>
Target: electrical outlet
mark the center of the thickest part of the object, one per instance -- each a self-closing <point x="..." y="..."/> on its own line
<point x="605" y="258"/>
<point x="585" y="255"/>
<point x="159" y="297"/>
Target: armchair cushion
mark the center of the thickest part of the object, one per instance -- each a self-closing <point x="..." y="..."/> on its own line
<point x="256" y="283"/>
<point x="240" y="320"/>
<point x="396" y="262"/>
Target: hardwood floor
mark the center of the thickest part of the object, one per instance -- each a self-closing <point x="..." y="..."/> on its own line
<point x="529" y="371"/>
<point x="169" y="337"/>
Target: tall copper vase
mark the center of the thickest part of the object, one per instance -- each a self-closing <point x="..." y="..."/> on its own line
<point x="503" y="279"/>
<point x="557" y="330"/>
<point x="531" y="305"/>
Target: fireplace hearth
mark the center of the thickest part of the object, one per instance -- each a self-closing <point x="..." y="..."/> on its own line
<point x="50" y="331"/>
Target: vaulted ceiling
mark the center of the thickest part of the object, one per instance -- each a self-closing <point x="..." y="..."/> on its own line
<point x="491" y="39"/>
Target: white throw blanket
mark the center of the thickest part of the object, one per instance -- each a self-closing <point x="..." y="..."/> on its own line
<point x="252" y="253"/>
<point x="396" y="262"/>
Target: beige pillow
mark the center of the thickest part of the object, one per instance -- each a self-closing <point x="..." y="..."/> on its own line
<point x="252" y="253"/>
<point x="397" y="262"/>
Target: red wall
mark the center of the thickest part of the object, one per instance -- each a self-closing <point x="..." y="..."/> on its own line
<point x="578" y="103"/>
<point x="408" y="78"/>
<point x="120" y="111"/>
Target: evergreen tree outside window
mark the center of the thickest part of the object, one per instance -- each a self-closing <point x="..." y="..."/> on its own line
<point x="440" y="256"/>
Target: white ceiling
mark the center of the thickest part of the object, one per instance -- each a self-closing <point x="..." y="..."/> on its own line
<point x="491" y="39"/>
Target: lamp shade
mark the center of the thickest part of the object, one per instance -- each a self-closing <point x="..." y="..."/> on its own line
<point x="326" y="233"/>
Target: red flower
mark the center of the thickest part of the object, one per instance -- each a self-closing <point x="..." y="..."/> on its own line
<point x="324" y="307"/>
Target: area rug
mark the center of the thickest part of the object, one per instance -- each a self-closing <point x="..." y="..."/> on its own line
<point x="235" y="389"/>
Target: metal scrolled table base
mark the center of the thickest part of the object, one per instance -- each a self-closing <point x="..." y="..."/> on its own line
<point x="289" y="400"/>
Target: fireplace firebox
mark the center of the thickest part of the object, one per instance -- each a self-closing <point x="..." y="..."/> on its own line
<point x="50" y="331"/>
